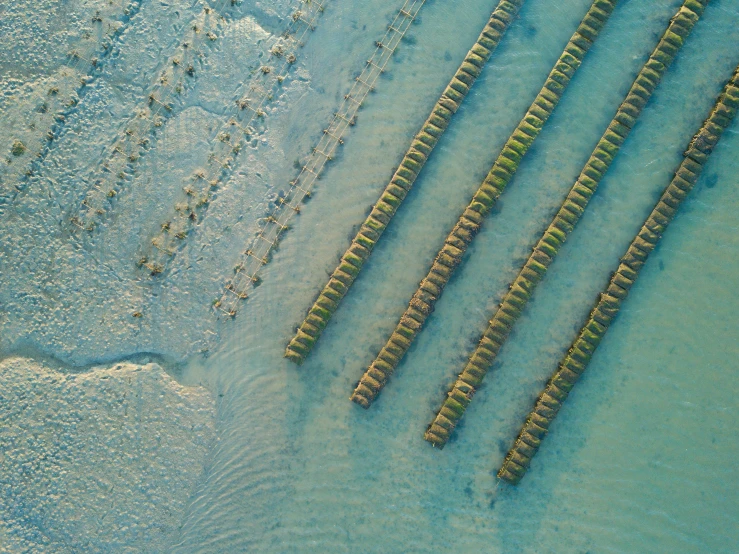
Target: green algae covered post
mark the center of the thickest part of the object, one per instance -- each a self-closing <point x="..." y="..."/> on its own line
<point x="492" y="187"/>
<point x="395" y="192"/>
<point x="564" y="222"/>
<point x="609" y="303"/>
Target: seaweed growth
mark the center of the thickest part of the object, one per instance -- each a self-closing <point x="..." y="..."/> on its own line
<point x="609" y="302"/>
<point x="395" y="192"/>
<point x="569" y="214"/>
<point x="505" y="166"/>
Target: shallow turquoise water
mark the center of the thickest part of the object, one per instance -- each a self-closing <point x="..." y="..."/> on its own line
<point x="641" y="459"/>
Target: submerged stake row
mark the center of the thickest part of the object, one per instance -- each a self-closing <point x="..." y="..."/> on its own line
<point x="415" y="158"/>
<point x="609" y="303"/>
<point x="160" y="249"/>
<point x="119" y="160"/>
<point x="564" y="221"/>
<point x="258" y="250"/>
<point x="492" y="187"/>
<point x="47" y="121"/>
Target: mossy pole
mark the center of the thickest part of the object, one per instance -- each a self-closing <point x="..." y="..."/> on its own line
<point x="395" y="192"/>
<point x="492" y="187"/>
<point x="533" y="271"/>
<point x="609" y="303"/>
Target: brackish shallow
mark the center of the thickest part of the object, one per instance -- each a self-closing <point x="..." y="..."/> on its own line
<point x="641" y="457"/>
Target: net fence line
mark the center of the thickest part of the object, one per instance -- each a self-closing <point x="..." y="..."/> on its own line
<point x="256" y="253"/>
<point x="158" y="253"/>
<point x="108" y="178"/>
